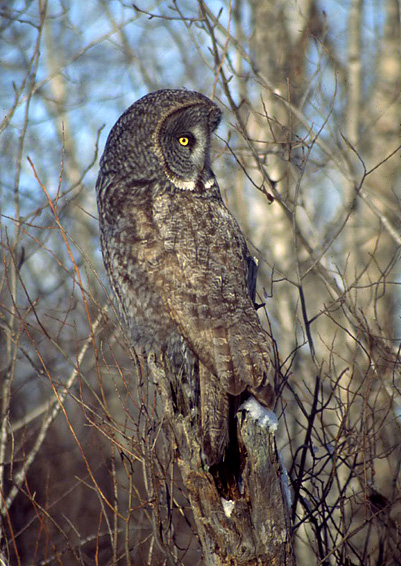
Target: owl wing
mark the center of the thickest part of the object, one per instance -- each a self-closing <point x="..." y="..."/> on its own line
<point x="202" y="277"/>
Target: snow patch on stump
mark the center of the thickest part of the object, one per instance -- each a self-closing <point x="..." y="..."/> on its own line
<point x="264" y="417"/>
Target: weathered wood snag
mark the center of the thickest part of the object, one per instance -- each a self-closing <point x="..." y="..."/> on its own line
<point x="252" y="528"/>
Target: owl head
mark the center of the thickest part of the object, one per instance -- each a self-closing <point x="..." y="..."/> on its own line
<point x="165" y="134"/>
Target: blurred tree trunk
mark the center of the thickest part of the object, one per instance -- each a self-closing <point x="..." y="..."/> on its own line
<point x="373" y="132"/>
<point x="280" y="39"/>
<point x="380" y="136"/>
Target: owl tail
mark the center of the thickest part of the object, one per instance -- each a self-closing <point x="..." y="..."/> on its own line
<point x="219" y="433"/>
<point x="215" y="415"/>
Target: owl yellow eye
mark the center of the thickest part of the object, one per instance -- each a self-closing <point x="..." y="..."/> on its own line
<point x="183" y="140"/>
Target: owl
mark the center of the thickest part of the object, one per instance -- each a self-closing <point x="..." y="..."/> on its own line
<point x="177" y="259"/>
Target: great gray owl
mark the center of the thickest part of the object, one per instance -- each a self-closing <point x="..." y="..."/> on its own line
<point x="176" y="258"/>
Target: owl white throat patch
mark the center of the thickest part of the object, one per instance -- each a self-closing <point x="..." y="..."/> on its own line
<point x="192" y="185"/>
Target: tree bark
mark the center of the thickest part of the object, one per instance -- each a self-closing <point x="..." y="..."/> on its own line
<point x="253" y="528"/>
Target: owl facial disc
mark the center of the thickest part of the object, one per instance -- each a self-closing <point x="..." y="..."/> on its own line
<point x="183" y="145"/>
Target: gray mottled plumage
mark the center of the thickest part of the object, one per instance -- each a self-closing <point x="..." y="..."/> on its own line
<point x="176" y="257"/>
